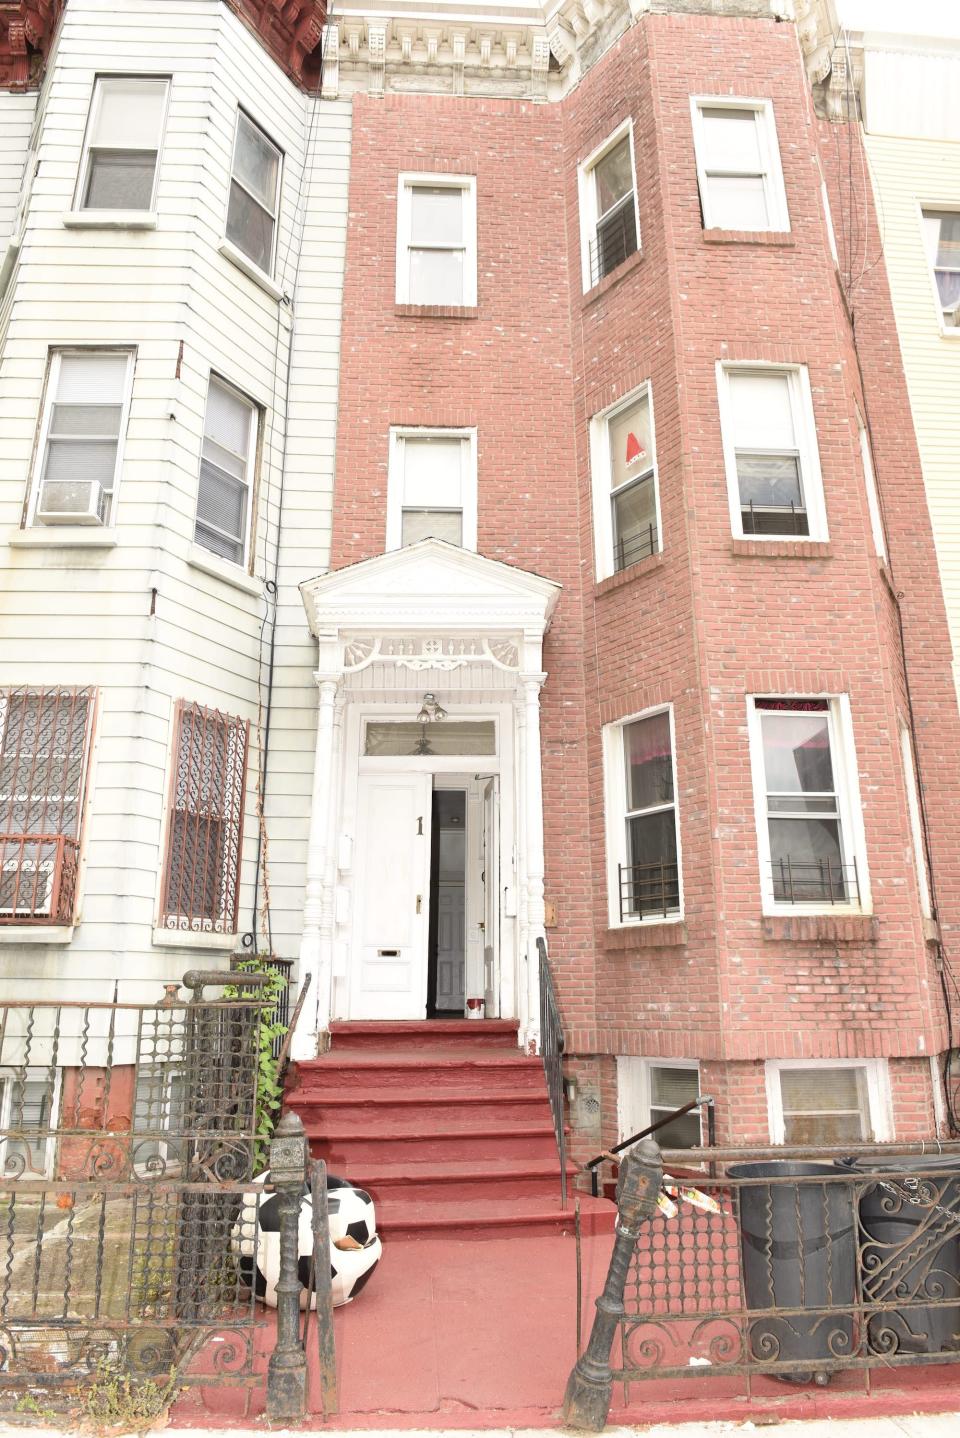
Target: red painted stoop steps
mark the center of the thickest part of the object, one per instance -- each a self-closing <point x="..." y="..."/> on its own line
<point x="446" y="1123"/>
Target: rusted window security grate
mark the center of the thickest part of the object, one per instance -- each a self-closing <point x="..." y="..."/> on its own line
<point x="205" y="821"/>
<point x="814" y="881"/>
<point x="44" y="747"/>
<point x="647" y="889"/>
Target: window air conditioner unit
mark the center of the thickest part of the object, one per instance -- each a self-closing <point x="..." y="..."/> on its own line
<point x="67" y="501"/>
<point x="34" y="894"/>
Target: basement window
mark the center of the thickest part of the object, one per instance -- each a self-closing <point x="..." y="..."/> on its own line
<point x="821" y="1104"/>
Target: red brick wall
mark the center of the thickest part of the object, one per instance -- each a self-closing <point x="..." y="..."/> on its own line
<point x="709" y="621"/>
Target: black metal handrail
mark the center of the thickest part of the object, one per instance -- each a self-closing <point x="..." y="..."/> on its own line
<point x="706" y="1101"/>
<point x="551" y="1052"/>
<point x="816" y="881"/>
<point x="648" y="889"/>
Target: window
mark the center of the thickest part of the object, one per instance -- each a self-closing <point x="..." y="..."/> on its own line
<point x="432" y="488"/>
<point x="226" y="472"/>
<point x="205" y="822"/>
<point x="828" y="1103"/>
<point x="916" y="823"/>
<point x="810" y="829"/>
<point x="626" y="500"/>
<point x="159" y="1116"/>
<point x="873" y="498"/>
<point x="941" y="232"/>
<point x="254" y="194"/>
<point x="649" y="1090"/>
<point x="81" y="437"/>
<point x="642" y="842"/>
<point x="738" y="165"/>
<point x="44" y="745"/>
<point x="770" y="451"/>
<point x="119" y="166"/>
<point x="609" y="222"/>
<point x="392" y="737"/>
<point x="27" y="1106"/>
<point x="436" y="240"/>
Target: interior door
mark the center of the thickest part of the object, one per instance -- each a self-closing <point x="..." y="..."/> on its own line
<point x="491" y="898"/>
<point x="388" y="973"/>
<point x="451" y="949"/>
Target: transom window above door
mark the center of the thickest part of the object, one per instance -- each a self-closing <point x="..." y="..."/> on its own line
<point x="437" y="240"/>
<point x="432" y="487"/>
<point x="401" y="738"/>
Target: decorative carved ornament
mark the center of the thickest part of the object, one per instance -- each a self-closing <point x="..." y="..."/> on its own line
<point x="290" y="29"/>
<point x="26" y="30"/>
<point x="421" y="652"/>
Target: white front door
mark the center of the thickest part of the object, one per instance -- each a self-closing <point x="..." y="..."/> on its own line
<point x="388" y="973"/>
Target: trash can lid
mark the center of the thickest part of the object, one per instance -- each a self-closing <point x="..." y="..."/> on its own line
<point x="781" y="1168"/>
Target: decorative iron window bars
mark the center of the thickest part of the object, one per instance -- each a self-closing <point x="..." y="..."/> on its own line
<point x="818" y="881"/>
<point x="44" y="749"/>
<point x="647" y="889"/>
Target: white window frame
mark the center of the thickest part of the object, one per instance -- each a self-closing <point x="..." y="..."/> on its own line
<point x="635" y="1091"/>
<point x="55" y="355"/>
<point x="244" y="258"/>
<point x="773" y="186"/>
<point x="870" y="484"/>
<point x="92" y="112"/>
<point x="586" y="186"/>
<point x="167" y="1158"/>
<point x="40" y="1074"/>
<point x="395" y="479"/>
<point x="879" y="1101"/>
<point x="256" y="417"/>
<point x="805" y="429"/>
<point x="408" y="181"/>
<point x="949" y="332"/>
<point x="615" y="808"/>
<point x="916" y="824"/>
<point x="601" y="461"/>
<point x="843" y="759"/>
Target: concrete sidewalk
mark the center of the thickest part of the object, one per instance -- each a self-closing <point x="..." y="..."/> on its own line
<point x="941" y="1425"/>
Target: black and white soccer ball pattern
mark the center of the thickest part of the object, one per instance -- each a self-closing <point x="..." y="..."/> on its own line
<point x="355" y="1248"/>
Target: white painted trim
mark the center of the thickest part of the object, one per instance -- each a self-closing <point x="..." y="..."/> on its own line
<point x="939" y="1097"/>
<point x="879" y="1099"/>
<point x="870" y="484"/>
<point x="635" y="1090"/>
<point x="947" y="332"/>
<point x="916" y="827"/>
<point x="467" y="184"/>
<point x="587" y="192"/>
<point x="110" y="220"/>
<point x="190" y="939"/>
<point x="395" y="479"/>
<point x="804" y="422"/>
<point x="601" y="461"/>
<point x="843" y="758"/>
<point x="16" y="934"/>
<point x="773" y="186"/>
<point x="615" y="790"/>
<point x="223" y="569"/>
<point x="83" y="167"/>
<point x="237" y="254"/>
<point x="250" y="478"/>
<point x="65" y="536"/>
<point x="253" y="272"/>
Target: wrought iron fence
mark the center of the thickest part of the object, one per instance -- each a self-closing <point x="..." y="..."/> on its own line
<point x="816" y="881"/>
<point x="127" y="1137"/>
<point x="551" y="1051"/>
<point x="798" y="1264"/>
<point x="647" y="889"/>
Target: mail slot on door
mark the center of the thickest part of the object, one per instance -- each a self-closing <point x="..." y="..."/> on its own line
<point x="388" y="953"/>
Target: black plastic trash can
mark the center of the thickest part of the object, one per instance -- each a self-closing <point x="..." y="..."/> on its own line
<point x="911" y="1251"/>
<point x="799" y="1252"/>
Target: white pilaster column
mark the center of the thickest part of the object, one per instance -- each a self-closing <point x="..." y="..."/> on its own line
<point x="533" y="817"/>
<point x="316" y="940"/>
<point x="520" y="984"/>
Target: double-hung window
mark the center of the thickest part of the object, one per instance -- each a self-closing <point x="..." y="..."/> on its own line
<point x="28" y="1101"/>
<point x="609" y="221"/>
<point x="941" y="233"/>
<point x="205" y="822"/>
<point x="626" y="502"/>
<point x="437" y="240"/>
<point x="828" y="1103"/>
<point x="649" y="1090"/>
<point x="738" y="165"/>
<point x="224" y="498"/>
<point x="810" y="833"/>
<point x="44" y="747"/>
<point x="81" y="437"/>
<point x="122" y="150"/>
<point x="254" y="194"/>
<point x="642" y="843"/>
<point x="432" y="489"/>
<point x="770" y="452"/>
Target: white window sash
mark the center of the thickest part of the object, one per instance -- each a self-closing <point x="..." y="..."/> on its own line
<point x="769" y="149"/>
<point x="89" y="147"/>
<point x="879" y="1115"/>
<point x="248" y="470"/>
<point x="804" y="425"/>
<point x="467" y="185"/>
<point x="274" y="212"/>
<point x="601" y="467"/>
<point x="590" y="216"/>
<point x="849" y="811"/>
<point x="616" y="815"/>
<point x="635" y="1091"/>
<point x="949" y="328"/>
<point x="50" y="400"/>
<point x="468" y="482"/>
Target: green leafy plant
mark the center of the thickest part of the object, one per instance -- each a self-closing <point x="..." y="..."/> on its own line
<point x="116" y="1402"/>
<point x="269" y="1078"/>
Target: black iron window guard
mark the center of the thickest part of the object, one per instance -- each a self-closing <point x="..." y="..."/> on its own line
<point x="638" y="546"/>
<point x="816" y="881"/>
<point x="647" y="889"/>
<point x="615" y="240"/>
<point x="774" y="518"/>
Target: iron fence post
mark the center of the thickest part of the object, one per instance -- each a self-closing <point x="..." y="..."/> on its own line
<point x="287" y="1370"/>
<point x="586" y="1402"/>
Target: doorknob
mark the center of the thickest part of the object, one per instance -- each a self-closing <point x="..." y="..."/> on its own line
<point x="419" y="902"/>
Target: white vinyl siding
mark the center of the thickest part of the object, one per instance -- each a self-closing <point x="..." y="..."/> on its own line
<point x="437" y="240"/>
<point x="81" y="437"/>
<point x="831" y="1102"/>
<point x="226" y="472"/>
<point x="122" y="150"/>
<point x="432" y="487"/>
<point x="254" y="194"/>
<point x="609" y="217"/>
<point x="738" y="165"/>
<point x="643" y="832"/>
<point x="626" y="501"/>
<point x="770" y="453"/>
